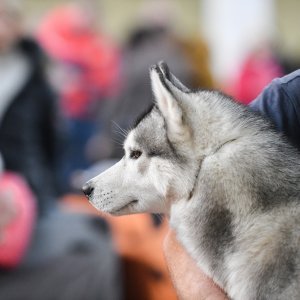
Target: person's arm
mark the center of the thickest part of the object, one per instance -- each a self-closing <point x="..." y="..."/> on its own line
<point x="189" y="281"/>
<point x="280" y="103"/>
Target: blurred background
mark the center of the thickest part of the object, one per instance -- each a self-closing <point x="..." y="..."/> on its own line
<point x="237" y="26"/>
<point x="73" y="78"/>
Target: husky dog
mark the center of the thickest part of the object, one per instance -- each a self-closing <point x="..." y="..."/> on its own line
<point x="228" y="182"/>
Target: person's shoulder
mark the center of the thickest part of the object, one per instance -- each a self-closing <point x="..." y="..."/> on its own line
<point x="284" y="89"/>
<point x="280" y="103"/>
<point x="293" y="77"/>
<point x="289" y="85"/>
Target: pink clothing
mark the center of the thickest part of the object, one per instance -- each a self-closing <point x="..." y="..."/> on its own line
<point x="90" y="60"/>
<point x="16" y="234"/>
<point x="258" y="71"/>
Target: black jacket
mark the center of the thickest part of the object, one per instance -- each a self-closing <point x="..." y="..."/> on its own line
<point x="280" y="102"/>
<point x="29" y="131"/>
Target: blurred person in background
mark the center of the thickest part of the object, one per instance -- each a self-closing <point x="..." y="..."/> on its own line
<point x="150" y="41"/>
<point x="29" y="127"/>
<point x="46" y="253"/>
<point x="146" y="45"/>
<point x="85" y="72"/>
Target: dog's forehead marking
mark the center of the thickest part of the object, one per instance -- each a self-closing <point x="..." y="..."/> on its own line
<point x="131" y="140"/>
<point x="144" y="115"/>
<point x="151" y="135"/>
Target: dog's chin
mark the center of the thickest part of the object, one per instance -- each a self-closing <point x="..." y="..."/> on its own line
<point x="126" y="209"/>
<point x="129" y="208"/>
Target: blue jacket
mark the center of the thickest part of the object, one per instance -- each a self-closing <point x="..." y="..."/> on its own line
<point x="280" y="102"/>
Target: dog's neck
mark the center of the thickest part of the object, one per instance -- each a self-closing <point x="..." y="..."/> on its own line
<point x="200" y="161"/>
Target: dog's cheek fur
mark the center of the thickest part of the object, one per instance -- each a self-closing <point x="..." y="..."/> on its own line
<point x="165" y="178"/>
<point x="159" y="175"/>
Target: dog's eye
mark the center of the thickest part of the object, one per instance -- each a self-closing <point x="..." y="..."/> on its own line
<point x="135" y="154"/>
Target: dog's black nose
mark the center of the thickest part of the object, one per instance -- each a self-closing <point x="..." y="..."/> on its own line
<point x="87" y="189"/>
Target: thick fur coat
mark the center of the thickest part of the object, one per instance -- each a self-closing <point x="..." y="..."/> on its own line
<point x="229" y="183"/>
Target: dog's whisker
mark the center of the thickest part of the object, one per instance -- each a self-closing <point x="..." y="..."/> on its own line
<point x="120" y="130"/>
<point x="117" y="142"/>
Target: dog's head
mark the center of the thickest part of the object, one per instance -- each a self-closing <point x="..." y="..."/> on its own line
<point x="158" y="166"/>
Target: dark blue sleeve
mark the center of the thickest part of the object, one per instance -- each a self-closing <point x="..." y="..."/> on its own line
<point x="280" y="102"/>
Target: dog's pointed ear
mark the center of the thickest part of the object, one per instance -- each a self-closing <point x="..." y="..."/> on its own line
<point x="166" y="96"/>
<point x="172" y="78"/>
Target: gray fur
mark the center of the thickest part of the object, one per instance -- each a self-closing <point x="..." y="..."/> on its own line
<point x="218" y="234"/>
<point x="153" y="139"/>
<point x="228" y="181"/>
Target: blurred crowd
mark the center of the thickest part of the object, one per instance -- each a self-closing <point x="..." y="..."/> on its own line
<point x="68" y="95"/>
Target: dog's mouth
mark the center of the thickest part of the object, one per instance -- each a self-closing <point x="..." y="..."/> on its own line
<point x="126" y="206"/>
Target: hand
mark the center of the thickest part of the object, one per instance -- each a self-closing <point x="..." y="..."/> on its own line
<point x="189" y="281"/>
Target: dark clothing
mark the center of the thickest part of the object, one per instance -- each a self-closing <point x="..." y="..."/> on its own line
<point x="71" y="258"/>
<point x="29" y="134"/>
<point x="280" y="102"/>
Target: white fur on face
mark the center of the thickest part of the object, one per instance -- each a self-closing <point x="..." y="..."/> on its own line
<point x="148" y="183"/>
<point x="128" y="187"/>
